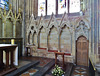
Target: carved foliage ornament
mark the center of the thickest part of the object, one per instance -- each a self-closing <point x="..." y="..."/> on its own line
<point x="82" y="29"/>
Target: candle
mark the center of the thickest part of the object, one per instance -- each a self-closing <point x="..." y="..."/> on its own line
<point x="12" y="41"/>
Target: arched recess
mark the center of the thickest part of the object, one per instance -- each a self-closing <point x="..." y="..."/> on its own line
<point x="53" y="39"/>
<point x="35" y="38"/>
<point x="9" y="28"/>
<point x="42" y="38"/>
<point x="65" y="40"/>
<point x="30" y="38"/>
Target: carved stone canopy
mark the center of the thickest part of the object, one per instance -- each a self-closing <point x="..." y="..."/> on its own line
<point x="82" y="29"/>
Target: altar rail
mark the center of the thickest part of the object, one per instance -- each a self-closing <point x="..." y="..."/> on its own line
<point x="91" y="68"/>
<point x="18" y="41"/>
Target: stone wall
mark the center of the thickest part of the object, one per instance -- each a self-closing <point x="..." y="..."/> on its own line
<point x="57" y="34"/>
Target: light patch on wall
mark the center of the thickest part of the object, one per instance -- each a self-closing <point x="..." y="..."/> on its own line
<point x="9" y="28"/>
<point x="53" y="39"/>
<point x="43" y="38"/>
<point x="34" y="39"/>
<point x="65" y="40"/>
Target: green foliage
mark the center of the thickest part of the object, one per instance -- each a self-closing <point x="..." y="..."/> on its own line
<point x="57" y="71"/>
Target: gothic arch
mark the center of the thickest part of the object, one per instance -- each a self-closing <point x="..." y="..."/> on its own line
<point x="65" y="24"/>
<point x="53" y="38"/>
<point x="35" y="38"/>
<point x="65" y="39"/>
<point x="53" y="22"/>
<point x="51" y="26"/>
<point x="41" y="22"/>
<point x="42" y="37"/>
<point x="29" y="37"/>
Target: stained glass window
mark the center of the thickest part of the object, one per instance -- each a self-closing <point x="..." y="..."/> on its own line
<point x="41" y="7"/>
<point x="51" y="7"/>
<point x="62" y="6"/>
<point x="47" y="7"/>
<point x="74" y="6"/>
<point x="4" y="3"/>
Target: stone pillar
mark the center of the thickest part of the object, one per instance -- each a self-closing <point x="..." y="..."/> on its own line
<point x="74" y="45"/>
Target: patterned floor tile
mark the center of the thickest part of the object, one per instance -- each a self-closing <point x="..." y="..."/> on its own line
<point x="25" y="74"/>
<point x="80" y="71"/>
<point x="30" y="72"/>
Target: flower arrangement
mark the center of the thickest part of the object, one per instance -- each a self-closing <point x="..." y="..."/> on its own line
<point x="57" y="71"/>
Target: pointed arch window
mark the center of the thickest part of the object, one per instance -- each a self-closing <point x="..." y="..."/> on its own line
<point x="74" y="6"/>
<point x="47" y="7"/>
<point x="41" y="7"/>
<point x="51" y="7"/>
<point x="62" y="6"/>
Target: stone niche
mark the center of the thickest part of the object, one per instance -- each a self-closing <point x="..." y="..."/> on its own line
<point x="53" y="39"/>
<point x="65" y="39"/>
<point x="42" y="38"/>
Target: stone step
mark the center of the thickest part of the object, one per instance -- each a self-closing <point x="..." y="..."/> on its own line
<point x="23" y="69"/>
<point x="46" y="68"/>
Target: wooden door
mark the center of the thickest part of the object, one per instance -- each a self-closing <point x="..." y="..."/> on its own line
<point x="82" y="51"/>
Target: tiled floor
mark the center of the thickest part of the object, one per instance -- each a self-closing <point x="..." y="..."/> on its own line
<point x="80" y="71"/>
